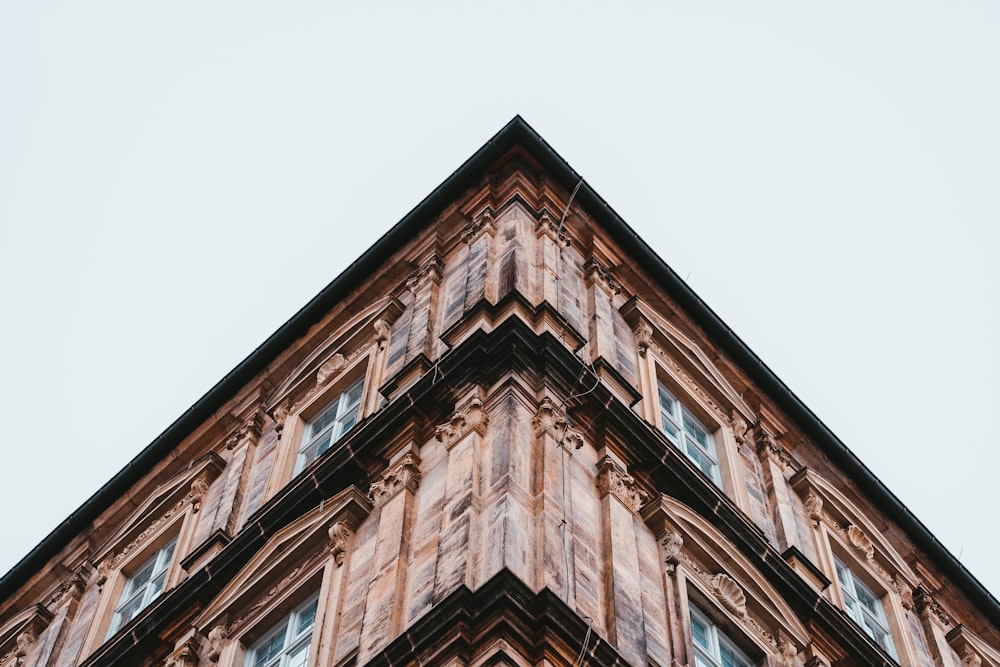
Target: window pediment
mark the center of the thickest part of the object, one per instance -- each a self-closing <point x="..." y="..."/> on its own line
<point x="20" y="632"/>
<point x="722" y="573"/>
<point x="825" y="504"/>
<point x="338" y="351"/>
<point x="971" y="649"/>
<point x="167" y="501"/>
<point x="324" y="531"/>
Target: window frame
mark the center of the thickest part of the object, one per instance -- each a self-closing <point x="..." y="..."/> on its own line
<point x="679" y="420"/>
<point x="718" y="639"/>
<point x="341" y="403"/>
<point x="858" y="612"/>
<point x="160" y="561"/>
<point x="291" y="642"/>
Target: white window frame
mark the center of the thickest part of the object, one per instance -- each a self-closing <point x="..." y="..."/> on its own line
<point x="677" y="417"/>
<point x="293" y="639"/>
<point x="869" y="617"/>
<point x="159" y="564"/>
<point x="344" y="411"/>
<point x="710" y="654"/>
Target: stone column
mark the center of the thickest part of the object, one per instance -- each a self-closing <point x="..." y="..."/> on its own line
<point x="774" y="460"/>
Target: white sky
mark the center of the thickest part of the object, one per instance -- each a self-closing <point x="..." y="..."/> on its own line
<point x="177" y="179"/>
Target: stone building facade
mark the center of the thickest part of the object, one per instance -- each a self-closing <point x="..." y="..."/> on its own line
<point x="508" y="434"/>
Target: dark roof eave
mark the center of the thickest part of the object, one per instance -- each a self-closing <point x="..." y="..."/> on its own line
<point x="514" y="132"/>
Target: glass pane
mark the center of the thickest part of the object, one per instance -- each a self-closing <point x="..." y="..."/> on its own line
<point x="321" y="445"/>
<point x="155" y="586"/>
<point x="699" y="632"/>
<point x="670" y="429"/>
<point x="271" y="647"/>
<point x="299" y="657"/>
<point x="142" y="576"/>
<point x="306" y="619"/>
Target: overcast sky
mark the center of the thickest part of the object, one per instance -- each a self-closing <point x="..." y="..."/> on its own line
<point x="177" y="179"/>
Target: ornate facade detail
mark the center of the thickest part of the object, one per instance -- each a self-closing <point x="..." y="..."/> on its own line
<point x="690" y="384"/>
<point x="432" y="270"/>
<point x="330" y="369"/>
<point x="382" y="329"/>
<point x="817" y="661"/>
<point x="768" y="448"/>
<point x="860" y="541"/>
<point x="596" y="273"/>
<point x="548" y="226"/>
<point x="185" y="656"/>
<point x="740" y="426"/>
<point x="643" y="337"/>
<point x="672" y="544"/>
<point x="730" y="594"/>
<point x="552" y="421"/>
<point x="405" y="474"/>
<point x="814" y="507"/>
<point x="216" y="639"/>
<point x="113" y="563"/>
<point x="483" y="222"/>
<point x="787" y="652"/>
<point x="70" y="590"/>
<point x="24" y="642"/>
<point x="279" y="414"/>
<point x="199" y="491"/>
<point x="928" y="607"/>
<point x="471" y="417"/>
<point x="611" y="478"/>
<point x="249" y="430"/>
<point x="970" y="659"/>
<point x="340" y="534"/>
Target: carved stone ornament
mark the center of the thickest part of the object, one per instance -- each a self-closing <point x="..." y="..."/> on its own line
<point x="248" y="432"/>
<point x="216" y="639"/>
<point x="24" y="642"/>
<point x="860" y="541"/>
<point x="340" y="534"/>
<point x="331" y="368"/>
<point x="382" y="330"/>
<point x="814" y="507"/>
<point x="643" y="337"/>
<point x="597" y="273"/>
<point x="549" y="226"/>
<point x="672" y="544"/>
<point x="730" y="594"/>
<point x="787" y="653"/>
<point x="431" y="270"/>
<point x="471" y="417"/>
<point x="970" y="659"/>
<point x="279" y="415"/>
<point x="405" y="474"/>
<point x="768" y="447"/>
<point x="740" y="426"/>
<point x="482" y="222"/>
<point x="185" y="656"/>
<point x="611" y="478"/>
<point x="552" y="421"/>
<point x="71" y="589"/>
<point x="928" y="607"/>
<point x="199" y="490"/>
<point x="817" y="661"/>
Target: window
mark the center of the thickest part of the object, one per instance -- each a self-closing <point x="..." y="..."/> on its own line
<point x="144" y="586"/>
<point x="712" y="648"/>
<point x="689" y="435"/>
<point x="286" y="644"/>
<point x="329" y="425"/>
<point x="864" y="608"/>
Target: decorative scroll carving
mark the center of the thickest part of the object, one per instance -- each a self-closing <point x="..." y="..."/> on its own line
<point x="672" y="544"/>
<point x="185" y="656"/>
<point x="249" y="430"/>
<point x="199" y="490"/>
<point x="552" y="421"/>
<point x="690" y="383"/>
<point x="817" y="661"/>
<point x="431" y="270"/>
<point x="814" y="507"/>
<point x="730" y="594"/>
<point x="483" y="222"/>
<point x="768" y="447"/>
<point x="611" y="478"/>
<point x="24" y="642"/>
<point x="929" y="608"/>
<point x="216" y="639"/>
<point x="382" y="329"/>
<point x="740" y="426"/>
<point x="471" y="417"/>
<point x="71" y="589"/>
<point x="860" y="541"/>
<point x="787" y="653"/>
<point x="405" y="474"/>
<point x="548" y="226"/>
<point x="340" y="534"/>
<point x="643" y="337"/>
<point x="279" y="415"/>
<point x="596" y="273"/>
<point x="330" y="369"/>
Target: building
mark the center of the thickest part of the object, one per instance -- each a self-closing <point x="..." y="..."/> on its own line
<point x="508" y="435"/>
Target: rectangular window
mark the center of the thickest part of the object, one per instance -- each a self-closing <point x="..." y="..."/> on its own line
<point x="329" y="425"/>
<point x="287" y="643"/>
<point x="689" y="435"/>
<point x="712" y="648"/>
<point x="144" y="586"/>
<point x="864" y="608"/>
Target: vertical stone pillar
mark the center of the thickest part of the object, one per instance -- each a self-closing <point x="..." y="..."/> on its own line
<point x="774" y="460"/>
<point x="621" y="498"/>
<point x="548" y="262"/>
<point x="602" y="288"/>
<point x="936" y="624"/>
<point x="394" y="495"/>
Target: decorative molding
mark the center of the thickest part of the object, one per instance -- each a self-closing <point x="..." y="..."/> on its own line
<point x="24" y="642"/>
<point x="470" y="417"/>
<point x="382" y="329"/>
<point x="547" y="226"/>
<point x="484" y="222"/>
<point x="199" y="490"/>
<point x="861" y="542"/>
<point x="330" y="369"/>
<point x="730" y="594"/>
<point x="72" y="589"/>
<point x="550" y="420"/>
<point x="184" y="656"/>
<point x="927" y="607"/>
<point x="739" y="425"/>
<point x="970" y="659"/>
<point x="248" y="432"/>
<point x="814" y="507"/>
<point x="216" y="640"/>
<point x="787" y="652"/>
<point x="768" y="448"/>
<point x="597" y="273"/>
<point x="672" y="544"/>
<point x="690" y="384"/>
<point x="405" y="474"/>
<point x="432" y="270"/>
<point x="643" y="337"/>
<point x="612" y="479"/>
<point x="340" y="534"/>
